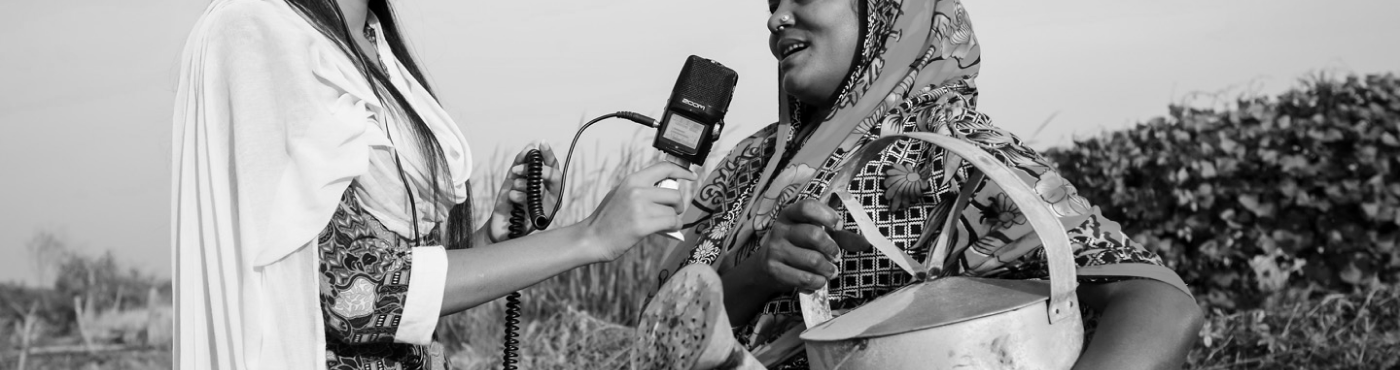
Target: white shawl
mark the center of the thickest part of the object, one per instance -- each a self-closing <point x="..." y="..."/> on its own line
<point x="272" y="123"/>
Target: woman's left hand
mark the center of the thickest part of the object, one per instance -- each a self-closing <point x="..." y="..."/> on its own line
<point x="513" y="192"/>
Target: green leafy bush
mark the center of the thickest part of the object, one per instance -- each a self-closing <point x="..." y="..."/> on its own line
<point x="1271" y="193"/>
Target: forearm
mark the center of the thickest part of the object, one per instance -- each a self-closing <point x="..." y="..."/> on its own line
<point x="1145" y="324"/>
<point x="487" y="272"/>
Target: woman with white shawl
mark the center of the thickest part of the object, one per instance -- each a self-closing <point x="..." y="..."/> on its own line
<point x="313" y="173"/>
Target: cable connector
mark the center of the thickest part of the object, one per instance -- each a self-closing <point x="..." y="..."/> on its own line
<point x="637" y="117"/>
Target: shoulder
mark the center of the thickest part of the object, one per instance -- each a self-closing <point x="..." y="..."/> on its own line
<point x="255" y="40"/>
<point x="266" y="25"/>
<point x="762" y="140"/>
<point x="250" y="16"/>
<point x="754" y="150"/>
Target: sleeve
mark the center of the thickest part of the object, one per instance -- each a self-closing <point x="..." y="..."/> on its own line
<point x="376" y="287"/>
<point x="999" y="241"/>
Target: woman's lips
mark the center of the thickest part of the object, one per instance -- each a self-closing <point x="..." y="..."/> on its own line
<point x="793" y="48"/>
<point x="791" y="58"/>
<point x="789" y="46"/>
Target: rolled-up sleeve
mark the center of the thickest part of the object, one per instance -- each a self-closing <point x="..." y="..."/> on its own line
<point x="375" y="286"/>
<point x="425" y="289"/>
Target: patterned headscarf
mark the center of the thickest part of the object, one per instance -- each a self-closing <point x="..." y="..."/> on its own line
<point x="907" y="48"/>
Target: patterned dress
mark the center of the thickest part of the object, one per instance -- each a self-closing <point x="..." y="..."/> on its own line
<point x="365" y="271"/>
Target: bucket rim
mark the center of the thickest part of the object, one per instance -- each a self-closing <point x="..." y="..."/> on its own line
<point x="894" y="313"/>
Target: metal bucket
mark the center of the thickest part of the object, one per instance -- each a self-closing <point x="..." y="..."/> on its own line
<point x="953" y="322"/>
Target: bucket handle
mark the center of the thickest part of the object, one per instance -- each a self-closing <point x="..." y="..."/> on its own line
<point x="1063" y="301"/>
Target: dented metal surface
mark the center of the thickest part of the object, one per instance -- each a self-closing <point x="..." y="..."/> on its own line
<point x="1016" y="339"/>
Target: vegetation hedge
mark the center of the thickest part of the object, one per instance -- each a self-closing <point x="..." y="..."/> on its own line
<point x="1295" y="190"/>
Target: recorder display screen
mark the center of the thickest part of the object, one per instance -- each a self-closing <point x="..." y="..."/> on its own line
<point x="684" y="131"/>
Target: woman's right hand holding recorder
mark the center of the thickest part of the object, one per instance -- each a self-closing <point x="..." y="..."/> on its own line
<point x="635" y="209"/>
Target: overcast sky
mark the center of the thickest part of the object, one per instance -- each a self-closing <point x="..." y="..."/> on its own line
<point x="86" y="86"/>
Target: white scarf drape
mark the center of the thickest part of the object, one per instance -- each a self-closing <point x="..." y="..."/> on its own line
<point x="272" y="123"/>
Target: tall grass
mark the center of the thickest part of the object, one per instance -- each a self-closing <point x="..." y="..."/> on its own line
<point x="1305" y="328"/>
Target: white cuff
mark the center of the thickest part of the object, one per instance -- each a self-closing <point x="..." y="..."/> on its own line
<point x="426" y="282"/>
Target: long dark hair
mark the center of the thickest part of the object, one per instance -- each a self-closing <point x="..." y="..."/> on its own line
<point x="325" y="16"/>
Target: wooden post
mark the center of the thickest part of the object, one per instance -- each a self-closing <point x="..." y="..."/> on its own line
<point x="19" y="329"/>
<point x="151" y="317"/>
<point x="82" y="319"/>
<point x="25" y="333"/>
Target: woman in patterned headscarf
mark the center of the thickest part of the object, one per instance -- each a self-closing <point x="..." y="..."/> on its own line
<point x="851" y="71"/>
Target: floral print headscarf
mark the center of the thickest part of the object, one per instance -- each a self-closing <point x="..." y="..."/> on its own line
<point x="907" y="49"/>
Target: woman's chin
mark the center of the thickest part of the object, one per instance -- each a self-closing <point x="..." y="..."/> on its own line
<point x="798" y="88"/>
<point x="805" y="89"/>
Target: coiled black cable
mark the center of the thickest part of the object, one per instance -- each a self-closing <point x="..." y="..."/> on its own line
<point x="534" y="183"/>
<point x="534" y="194"/>
<point x="511" y="354"/>
<point x="534" y="188"/>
